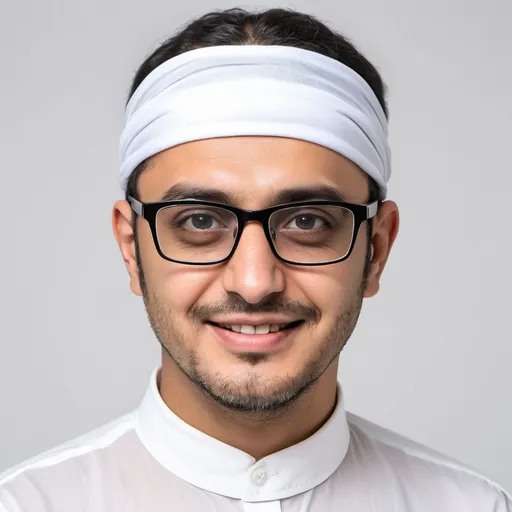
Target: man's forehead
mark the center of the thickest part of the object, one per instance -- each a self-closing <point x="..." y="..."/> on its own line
<point x="244" y="167"/>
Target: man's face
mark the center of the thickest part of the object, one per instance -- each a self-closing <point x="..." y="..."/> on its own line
<point x="181" y="299"/>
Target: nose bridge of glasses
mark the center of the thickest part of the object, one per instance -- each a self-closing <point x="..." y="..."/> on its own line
<point x="249" y="223"/>
<point x="251" y="217"/>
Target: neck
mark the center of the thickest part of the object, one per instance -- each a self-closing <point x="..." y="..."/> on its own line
<point x="258" y="435"/>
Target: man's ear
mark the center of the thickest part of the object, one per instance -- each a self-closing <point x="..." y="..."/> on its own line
<point x="385" y="230"/>
<point x="122" y="227"/>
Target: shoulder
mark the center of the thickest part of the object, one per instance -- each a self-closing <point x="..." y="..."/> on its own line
<point x="62" y="470"/>
<point x="425" y="473"/>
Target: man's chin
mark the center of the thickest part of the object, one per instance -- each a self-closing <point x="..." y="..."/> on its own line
<point x="255" y="395"/>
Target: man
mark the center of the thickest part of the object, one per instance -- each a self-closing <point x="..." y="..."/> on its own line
<point x="255" y="165"/>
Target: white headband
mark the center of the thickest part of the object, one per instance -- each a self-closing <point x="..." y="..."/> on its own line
<point x="281" y="91"/>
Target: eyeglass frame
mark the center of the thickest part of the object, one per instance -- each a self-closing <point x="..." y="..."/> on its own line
<point x="149" y="211"/>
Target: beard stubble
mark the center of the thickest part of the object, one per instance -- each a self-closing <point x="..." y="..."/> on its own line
<point x="280" y="393"/>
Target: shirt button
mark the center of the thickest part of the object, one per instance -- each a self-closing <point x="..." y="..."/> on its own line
<point x="259" y="475"/>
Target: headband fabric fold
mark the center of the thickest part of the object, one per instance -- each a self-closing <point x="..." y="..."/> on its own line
<point x="280" y="91"/>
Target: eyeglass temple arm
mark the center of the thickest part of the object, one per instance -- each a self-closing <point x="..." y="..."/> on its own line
<point x="371" y="209"/>
<point x="137" y="206"/>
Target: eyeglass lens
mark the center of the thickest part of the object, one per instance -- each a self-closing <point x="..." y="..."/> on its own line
<point x="302" y="234"/>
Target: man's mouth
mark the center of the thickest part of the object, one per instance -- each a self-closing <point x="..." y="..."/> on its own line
<point x="257" y="329"/>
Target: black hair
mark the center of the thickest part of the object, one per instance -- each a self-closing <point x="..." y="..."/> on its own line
<point x="285" y="27"/>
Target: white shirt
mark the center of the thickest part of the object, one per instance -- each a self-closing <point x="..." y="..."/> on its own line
<point x="152" y="461"/>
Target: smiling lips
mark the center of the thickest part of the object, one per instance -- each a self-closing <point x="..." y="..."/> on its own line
<point x="254" y="337"/>
<point x="255" y="326"/>
<point x="254" y="329"/>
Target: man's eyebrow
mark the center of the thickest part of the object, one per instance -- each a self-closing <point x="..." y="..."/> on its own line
<point x="296" y="194"/>
<point x="283" y="196"/>
<point x="186" y="191"/>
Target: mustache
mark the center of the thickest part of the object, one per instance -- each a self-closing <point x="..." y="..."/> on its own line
<point x="236" y="304"/>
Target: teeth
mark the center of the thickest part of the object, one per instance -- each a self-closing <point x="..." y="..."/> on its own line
<point x="255" y="329"/>
<point x="262" y="329"/>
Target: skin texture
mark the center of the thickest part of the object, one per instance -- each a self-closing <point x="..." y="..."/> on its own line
<point x="259" y="403"/>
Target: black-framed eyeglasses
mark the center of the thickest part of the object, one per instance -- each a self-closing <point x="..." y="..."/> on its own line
<point x="308" y="233"/>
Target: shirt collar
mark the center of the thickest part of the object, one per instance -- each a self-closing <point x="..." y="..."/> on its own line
<point x="212" y="465"/>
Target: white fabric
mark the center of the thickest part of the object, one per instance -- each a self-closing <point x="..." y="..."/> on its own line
<point x="280" y="91"/>
<point x="151" y="461"/>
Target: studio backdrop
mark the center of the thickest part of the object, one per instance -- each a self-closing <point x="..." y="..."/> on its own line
<point x="431" y="355"/>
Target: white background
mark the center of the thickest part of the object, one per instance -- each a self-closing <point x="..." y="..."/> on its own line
<point x="432" y="354"/>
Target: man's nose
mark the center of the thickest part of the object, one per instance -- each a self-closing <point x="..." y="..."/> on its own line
<point x="253" y="271"/>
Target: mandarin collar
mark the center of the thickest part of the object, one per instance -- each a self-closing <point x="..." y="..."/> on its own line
<point x="214" y="466"/>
